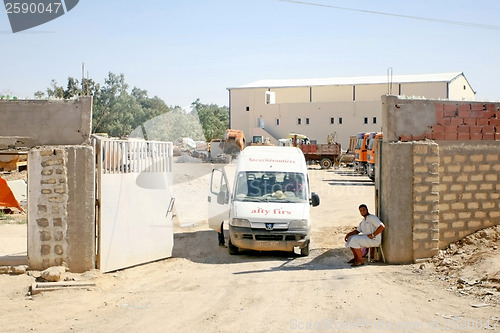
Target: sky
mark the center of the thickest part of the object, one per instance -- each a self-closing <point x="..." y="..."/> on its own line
<point x="183" y="50"/>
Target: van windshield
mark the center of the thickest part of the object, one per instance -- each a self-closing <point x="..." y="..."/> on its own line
<point x="271" y="186"/>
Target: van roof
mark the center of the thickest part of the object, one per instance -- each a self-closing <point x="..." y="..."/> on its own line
<point x="272" y="158"/>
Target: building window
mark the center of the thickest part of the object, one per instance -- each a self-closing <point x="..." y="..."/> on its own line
<point x="365" y="120"/>
<point x="307" y="121"/>
<point x="299" y="121"/>
<point x="277" y="121"/>
<point x="248" y="108"/>
<point x="340" y="120"/>
<point x="374" y="120"/>
<point x="332" y="121"/>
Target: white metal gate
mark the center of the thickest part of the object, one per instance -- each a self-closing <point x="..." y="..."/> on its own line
<point x="134" y="202"/>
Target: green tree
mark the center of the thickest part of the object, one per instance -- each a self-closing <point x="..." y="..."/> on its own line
<point x="213" y="118"/>
<point x="121" y="113"/>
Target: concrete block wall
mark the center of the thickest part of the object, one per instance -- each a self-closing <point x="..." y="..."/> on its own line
<point x="58" y="232"/>
<point x="425" y="199"/>
<point x="454" y="166"/>
<point x="469" y="189"/>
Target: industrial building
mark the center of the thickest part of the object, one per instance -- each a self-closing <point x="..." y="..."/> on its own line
<point x="342" y="105"/>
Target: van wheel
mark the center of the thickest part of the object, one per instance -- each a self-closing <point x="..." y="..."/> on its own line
<point x="232" y="249"/>
<point x="325" y="163"/>
<point x="305" y="250"/>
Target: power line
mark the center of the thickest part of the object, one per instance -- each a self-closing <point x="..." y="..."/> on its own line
<point x="467" y="24"/>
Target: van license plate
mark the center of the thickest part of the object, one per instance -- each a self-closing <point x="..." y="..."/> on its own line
<point x="268" y="243"/>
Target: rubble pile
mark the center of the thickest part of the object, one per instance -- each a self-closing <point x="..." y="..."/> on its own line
<point x="471" y="266"/>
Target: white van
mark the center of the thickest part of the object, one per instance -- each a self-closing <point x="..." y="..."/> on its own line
<point x="269" y="206"/>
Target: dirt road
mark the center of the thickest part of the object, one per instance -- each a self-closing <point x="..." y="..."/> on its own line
<point x="204" y="289"/>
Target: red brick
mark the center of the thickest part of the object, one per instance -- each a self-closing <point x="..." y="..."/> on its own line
<point x="489" y="114"/>
<point x="491" y="107"/>
<point x="450" y="129"/>
<point x="488" y="136"/>
<point x="470" y="121"/>
<point x="438" y="129"/>
<point x="463" y="136"/>
<point x="405" y="138"/>
<point x="463" y="107"/>
<point x="450" y="113"/>
<point x="429" y="135"/>
<point x="477" y="114"/>
<point x="439" y="136"/>
<point x="482" y="122"/>
<point x="456" y="121"/>
<point x="475" y="129"/>
<point x="438" y="107"/>
<point x="477" y="106"/>
<point x="476" y="136"/>
<point x="464" y="113"/>
<point x="450" y="136"/>
<point x="419" y="137"/>
<point x="446" y="121"/>
<point x="494" y="122"/>
<point x="449" y="107"/>
<point x="488" y="129"/>
<point x="463" y="129"/>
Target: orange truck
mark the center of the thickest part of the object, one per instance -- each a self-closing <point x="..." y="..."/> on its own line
<point x="372" y="153"/>
<point x="361" y="152"/>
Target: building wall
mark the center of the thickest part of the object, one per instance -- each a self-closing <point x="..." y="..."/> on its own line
<point x="320" y="116"/>
<point x="459" y="89"/>
<point x="454" y="172"/>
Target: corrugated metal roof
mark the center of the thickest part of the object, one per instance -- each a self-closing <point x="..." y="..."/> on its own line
<point x="355" y="80"/>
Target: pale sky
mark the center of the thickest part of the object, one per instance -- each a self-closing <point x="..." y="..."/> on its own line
<point x="187" y="49"/>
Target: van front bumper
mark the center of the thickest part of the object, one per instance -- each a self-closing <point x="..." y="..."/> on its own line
<point x="268" y="240"/>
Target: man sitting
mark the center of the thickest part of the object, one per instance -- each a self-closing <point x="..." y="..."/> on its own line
<point x="367" y="234"/>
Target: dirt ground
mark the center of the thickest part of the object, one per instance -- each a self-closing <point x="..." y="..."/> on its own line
<point x="204" y="289"/>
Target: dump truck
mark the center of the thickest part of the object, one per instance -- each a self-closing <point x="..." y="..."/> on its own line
<point x="323" y="154"/>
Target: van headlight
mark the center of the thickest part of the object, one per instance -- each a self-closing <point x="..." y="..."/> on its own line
<point x="240" y="223"/>
<point x="299" y="224"/>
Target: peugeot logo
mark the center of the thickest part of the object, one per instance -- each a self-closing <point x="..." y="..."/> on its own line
<point x="269" y="226"/>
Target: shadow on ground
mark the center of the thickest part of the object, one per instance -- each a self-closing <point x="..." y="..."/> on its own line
<point x="202" y="247"/>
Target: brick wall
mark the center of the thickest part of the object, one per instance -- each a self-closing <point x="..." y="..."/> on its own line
<point x="455" y="166"/>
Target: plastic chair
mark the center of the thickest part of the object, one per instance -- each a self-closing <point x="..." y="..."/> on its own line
<point x="374" y="248"/>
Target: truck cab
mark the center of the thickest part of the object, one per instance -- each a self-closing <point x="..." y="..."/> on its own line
<point x="361" y="152"/>
<point x="268" y="208"/>
<point x="372" y="153"/>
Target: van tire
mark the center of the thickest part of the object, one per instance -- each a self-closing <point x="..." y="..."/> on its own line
<point x="325" y="163"/>
<point x="232" y="249"/>
<point x="305" y="250"/>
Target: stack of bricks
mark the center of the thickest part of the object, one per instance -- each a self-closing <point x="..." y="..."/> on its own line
<point x="425" y="199"/>
<point x="466" y="121"/>
<point x="469" y="191"/>
<point x="52" y="207"/>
